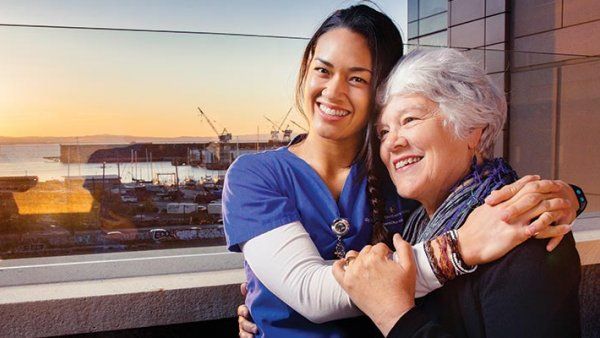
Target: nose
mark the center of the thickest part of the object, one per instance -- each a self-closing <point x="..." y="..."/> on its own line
<point x="394" y="141"/>
<point x="334" y="88"/>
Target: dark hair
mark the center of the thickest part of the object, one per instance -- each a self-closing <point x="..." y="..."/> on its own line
<point x="386" y="47"/>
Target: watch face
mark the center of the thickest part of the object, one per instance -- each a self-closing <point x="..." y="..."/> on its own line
<point x="340" y="227"/>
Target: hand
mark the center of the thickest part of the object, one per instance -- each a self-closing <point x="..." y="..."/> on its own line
<point x="491" y="231"/>
<point x="383" y="289"/>
<point x="247" y="328"/>
<point x="531" y="184"/>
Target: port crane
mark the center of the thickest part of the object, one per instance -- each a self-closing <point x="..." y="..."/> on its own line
<point x="274" y="131"/>
<point x="287" y="132"/>
<point x="224" y="136"/>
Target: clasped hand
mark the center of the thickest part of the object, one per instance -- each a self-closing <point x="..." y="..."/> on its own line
<point x="382" y="288"/>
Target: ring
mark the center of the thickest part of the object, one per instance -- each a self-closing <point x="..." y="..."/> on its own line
<point x="348" y="260"/>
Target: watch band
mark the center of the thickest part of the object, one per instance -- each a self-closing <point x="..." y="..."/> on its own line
<point x="580" y="198"/>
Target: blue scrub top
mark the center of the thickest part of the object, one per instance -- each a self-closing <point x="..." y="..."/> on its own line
<point x="266" y="190"/>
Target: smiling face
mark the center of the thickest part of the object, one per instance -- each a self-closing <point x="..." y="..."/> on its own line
<point x="422" y="155"/>
<point x="337" y="90"/>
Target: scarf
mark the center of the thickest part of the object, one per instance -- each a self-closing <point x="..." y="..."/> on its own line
<point x="466" y="195"/>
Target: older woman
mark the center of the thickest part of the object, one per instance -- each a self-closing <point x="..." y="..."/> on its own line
<point x="441" y="115"/>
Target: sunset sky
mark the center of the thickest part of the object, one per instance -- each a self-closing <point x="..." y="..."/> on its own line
<point x="70" y="82"/>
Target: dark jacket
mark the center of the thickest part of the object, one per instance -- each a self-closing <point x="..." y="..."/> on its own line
<point x="527" y="293"/>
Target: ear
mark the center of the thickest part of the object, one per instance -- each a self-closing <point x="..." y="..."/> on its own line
<point x="474" y="138"/>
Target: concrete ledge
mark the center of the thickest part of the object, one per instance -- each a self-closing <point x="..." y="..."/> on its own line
<point x="115" y="304"/>
<point x="56" y="269"/>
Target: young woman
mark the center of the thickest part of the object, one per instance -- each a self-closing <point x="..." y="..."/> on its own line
<point x="291" y="209"/>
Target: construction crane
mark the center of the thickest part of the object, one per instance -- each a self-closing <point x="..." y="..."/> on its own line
<point x="299" y="126"/>
<point x="224" y="136"/>
<point x="274" y="131"/>
<point x="287" y="133"/>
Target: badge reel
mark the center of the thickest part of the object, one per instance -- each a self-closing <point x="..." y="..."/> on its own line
<point x="340" y="228"/>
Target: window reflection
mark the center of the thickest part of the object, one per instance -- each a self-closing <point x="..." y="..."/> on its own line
<point x="413" y="29"/>
<point x="469" y="35"/>
<point x="144" y="167"/>
<point x="495" y="58"/>
<point x="432" y="24"/>
<point x="437" y="39"/>
<point x="431" y="7"/>
<point x="159" y="185"/>
<point x="413" y="10"/>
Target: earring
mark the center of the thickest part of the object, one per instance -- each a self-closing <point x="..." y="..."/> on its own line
<point x="474" y="163"/>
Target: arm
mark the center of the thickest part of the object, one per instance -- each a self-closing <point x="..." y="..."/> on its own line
<point x="416" y="324"/>
<point x="531" y="292"/>
<point x="505" y="220"/>
<point x="287" y="262"/>
<point x="530" y="185"/>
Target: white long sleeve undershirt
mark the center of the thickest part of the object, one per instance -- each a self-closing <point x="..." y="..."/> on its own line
<point x="288" y="263"/>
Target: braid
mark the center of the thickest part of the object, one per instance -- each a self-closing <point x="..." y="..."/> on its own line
<point x="380" y="233"/>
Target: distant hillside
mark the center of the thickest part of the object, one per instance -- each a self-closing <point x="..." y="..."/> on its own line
<point x="120" y="139"/>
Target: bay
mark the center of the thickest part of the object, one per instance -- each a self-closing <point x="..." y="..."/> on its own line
<point x="31" y="159"/>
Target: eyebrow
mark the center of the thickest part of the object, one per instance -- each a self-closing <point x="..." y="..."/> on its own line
<point x="405" y="110"/>
<point x="353" y="69"/>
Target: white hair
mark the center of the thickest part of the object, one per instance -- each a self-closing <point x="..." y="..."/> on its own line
<point x="467" y="97"/>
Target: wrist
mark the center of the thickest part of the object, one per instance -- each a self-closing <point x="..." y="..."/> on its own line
<point x="387" y="321"/>
<point x="466" y="247"/>
<point x="580" y="200"/>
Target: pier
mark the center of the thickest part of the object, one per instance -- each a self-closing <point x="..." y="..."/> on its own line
<point x="180" y="153"/>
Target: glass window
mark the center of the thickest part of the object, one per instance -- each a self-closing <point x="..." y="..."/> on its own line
<point x="579" y="125"/>
<point x="532" y="116"/>
<point x="438" y="39"/>
<point x="469" y="35"/>
<point x="495" y="58"/>
<point x="530" y="17"/>
<point x="494" y="6"/>
<point x="466" y="10"/>
<point x="544" y="48"/>
<point x="553" y="119"/>
<point x="413" y="29"/>
<point x="164" y="117"/>
<point x="495" y="29"/>
<point x="433" y="24"/>
<point x="431" y="7"/>
<point x="575" y="12"/>
<point x="413" y="10"/>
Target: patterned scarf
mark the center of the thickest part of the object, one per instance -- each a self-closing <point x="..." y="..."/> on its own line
<point x="465" y="196"/>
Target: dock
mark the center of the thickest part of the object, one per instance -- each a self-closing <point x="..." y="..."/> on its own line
<point x="180" y="153"/>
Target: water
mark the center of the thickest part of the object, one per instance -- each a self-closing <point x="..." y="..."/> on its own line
<point x="28" y="159"/>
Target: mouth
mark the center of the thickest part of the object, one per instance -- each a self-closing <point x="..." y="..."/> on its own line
<point x="332" y="113"/>
<point x="406" y="162"/>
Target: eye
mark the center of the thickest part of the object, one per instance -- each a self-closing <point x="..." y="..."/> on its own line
<point x="409" y="119"/>
<point x="358" y="79"/>
<point x="321" y="70"/>
<point x="381" y="133"/>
